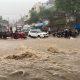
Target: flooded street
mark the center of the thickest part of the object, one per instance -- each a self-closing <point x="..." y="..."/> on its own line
<point x="40" y="59"/>
<point x="39" y="39"/>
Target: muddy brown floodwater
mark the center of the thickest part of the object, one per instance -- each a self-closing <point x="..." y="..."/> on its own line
<point x="40" y="59"/>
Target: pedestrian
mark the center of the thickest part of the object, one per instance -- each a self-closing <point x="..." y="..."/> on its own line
<point x="16" y="35"/>
<point x="4" y="35"/>
<point x="1" y="34"/>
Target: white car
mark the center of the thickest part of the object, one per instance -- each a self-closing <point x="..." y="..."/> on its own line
<point x="37" y="33"/>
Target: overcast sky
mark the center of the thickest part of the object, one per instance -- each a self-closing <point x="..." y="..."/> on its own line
<point x="14" y="9"/>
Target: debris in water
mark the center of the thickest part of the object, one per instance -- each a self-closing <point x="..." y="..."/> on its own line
<point x="53" y="50"/>
<point x="21" y="56"/>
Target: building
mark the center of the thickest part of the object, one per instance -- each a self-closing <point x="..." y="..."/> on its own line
<point x="4" y="25"/>
<point x="51" y="1"/>
<point x="48" y="4"/>
<point x="37" y="7"/>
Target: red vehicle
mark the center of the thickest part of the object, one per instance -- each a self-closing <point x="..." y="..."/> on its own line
<point x="20" y="34"/>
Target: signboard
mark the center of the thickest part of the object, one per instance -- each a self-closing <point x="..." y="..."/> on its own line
<point x="77" y="26"/>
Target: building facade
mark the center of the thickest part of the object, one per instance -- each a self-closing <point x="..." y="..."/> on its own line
<point x="37" y="7"/>
<point x="51" y="1"/>
<point x="4" y="25"/>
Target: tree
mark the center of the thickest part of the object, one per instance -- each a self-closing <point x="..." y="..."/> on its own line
<point x="47" y="14"/>
<point x="55" y="18"/>
<point x="71" y="7"/>
<point x="68" y="5"/>
<point x="33" y="16"/>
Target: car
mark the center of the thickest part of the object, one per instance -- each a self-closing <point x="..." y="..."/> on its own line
<point x="37" y="33"/>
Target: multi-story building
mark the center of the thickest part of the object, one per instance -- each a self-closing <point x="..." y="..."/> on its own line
<point x="4" y="25"/>
<point x="51" y="1"/>
<point x="37" y="7"/>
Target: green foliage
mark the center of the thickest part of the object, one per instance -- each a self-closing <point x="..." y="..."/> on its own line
<point x="71" y="7"/>
<point x="33" y="17"/>
<point x="43" y="14"/>
<point x="47" y="13"/>
<point x="68" y="5"/>
<point x="52" y="14"/>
